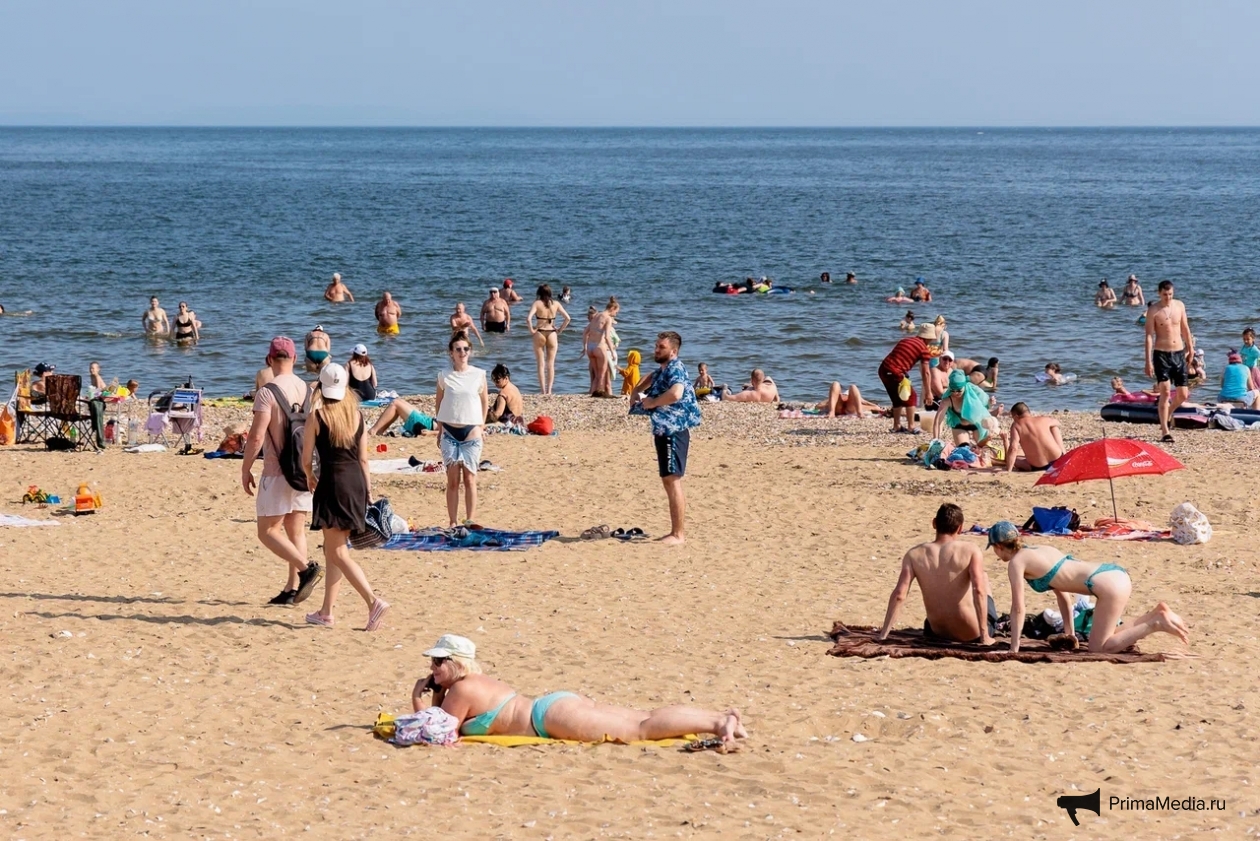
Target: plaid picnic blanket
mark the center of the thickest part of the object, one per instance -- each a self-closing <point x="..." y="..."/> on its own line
<point x="443" y="540"/>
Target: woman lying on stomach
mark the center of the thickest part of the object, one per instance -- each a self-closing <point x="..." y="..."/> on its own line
<point x="486" y="706"/>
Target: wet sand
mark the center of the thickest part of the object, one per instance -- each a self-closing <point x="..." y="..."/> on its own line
<point x="179" y="705"/>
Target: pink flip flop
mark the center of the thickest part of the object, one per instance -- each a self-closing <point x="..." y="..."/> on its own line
<point x="319" y="619"/>
<point x="376" y="614"/>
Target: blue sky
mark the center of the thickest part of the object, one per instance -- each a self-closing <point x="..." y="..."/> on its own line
<point x="630" y="63"/>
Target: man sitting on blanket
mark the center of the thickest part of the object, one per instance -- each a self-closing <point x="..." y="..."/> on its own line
<point x="954" y="584"/>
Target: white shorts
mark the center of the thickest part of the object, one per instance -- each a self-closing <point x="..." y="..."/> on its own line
<point x="275" y="497"/>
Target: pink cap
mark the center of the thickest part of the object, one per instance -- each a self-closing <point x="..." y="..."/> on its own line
<point x="282" y="347"/>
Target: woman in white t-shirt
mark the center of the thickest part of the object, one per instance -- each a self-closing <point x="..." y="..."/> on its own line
<point x="462" y="403"/>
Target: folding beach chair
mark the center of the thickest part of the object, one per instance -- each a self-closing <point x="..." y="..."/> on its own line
<point x="32" y="423"/>
<point x="184" y="415"/>
<point x="65" y="413"/>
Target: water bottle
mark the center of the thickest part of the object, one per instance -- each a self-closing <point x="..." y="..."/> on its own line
<point x="133" y="431"/>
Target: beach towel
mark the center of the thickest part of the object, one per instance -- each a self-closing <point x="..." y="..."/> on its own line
<point x="385" y="728"/>
<point x="859" y="641"/>
<point x="461" y="537"/>
<point x="17" y="522"/>
<point x="402" y="465"/>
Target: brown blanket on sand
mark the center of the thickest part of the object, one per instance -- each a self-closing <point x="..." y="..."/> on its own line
<point x="859" y="641"/>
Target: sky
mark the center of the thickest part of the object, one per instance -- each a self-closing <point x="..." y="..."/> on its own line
<point x="630" y="63"/>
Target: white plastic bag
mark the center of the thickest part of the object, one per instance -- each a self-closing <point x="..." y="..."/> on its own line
<point x="1189" y="525"/>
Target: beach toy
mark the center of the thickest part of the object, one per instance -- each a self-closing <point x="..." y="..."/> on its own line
<point x="35" y="495"/>
<point x="382" y="448"/>
<point x="86" y="500"/>
<point x="1067" y="378"/>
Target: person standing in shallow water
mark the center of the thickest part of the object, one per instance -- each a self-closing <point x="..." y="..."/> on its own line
<point x="546" y="334"/>
<point x="1169" y="347"/>
<point x="670" y="402"/>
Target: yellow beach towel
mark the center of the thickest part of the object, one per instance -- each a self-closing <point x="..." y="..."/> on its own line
<point x="384" y="729"/>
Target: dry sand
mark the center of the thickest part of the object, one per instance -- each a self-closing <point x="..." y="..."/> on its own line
<point x="180" y="706"/>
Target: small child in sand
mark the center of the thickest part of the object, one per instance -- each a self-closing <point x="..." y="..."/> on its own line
<point x="630" y="373"/>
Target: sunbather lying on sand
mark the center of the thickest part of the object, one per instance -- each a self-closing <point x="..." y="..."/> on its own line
<point x="485" y="706"/>
<point x="1046" y="568"/>
<point x="414" y="421"/>
<point x="841" y="402"/>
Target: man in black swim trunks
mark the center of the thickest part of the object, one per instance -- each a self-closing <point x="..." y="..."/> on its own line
<point x="953" y="582"/>
<point x="1169" y="346"/>
<point x="496" y="315"/>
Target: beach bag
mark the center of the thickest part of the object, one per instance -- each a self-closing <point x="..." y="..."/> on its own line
<point x="1056" y="520"/>
<point x="431" y="726"/>
<point x="8" y="428"/>
<point x="290" y="455"/>
<point x="905" y="388"/>
<point x="542" y="425"/>
<point x="1189" y="525"/>
<point x="378" y="526"/>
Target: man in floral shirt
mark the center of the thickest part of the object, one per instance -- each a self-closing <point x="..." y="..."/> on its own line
<point x="670" y="402"/>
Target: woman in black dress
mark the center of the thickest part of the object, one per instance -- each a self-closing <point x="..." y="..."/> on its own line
<point x="335" y="430"/>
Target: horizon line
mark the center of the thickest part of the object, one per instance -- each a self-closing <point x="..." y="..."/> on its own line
<point x="628" y="127"/>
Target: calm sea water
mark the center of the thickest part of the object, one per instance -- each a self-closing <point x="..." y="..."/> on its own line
<point x="1011" y="228"/>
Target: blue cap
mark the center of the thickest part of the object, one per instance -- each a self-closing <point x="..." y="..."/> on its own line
<point x="1003" y="531"/>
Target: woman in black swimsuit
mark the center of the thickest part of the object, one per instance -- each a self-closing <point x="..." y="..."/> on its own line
<point x="362" y="373"/>
<point x="185" y="325"/>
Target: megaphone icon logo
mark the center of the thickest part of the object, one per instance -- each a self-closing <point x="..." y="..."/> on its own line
<point x="1072" y="802"/>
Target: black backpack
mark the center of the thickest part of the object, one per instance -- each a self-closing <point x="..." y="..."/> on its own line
<point x="289" y="453"/>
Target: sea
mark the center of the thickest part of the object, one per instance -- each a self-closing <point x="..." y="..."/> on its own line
<point x="1011" y="229"/>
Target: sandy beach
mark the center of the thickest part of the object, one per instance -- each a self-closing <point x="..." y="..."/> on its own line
<point x="149" y="692"/>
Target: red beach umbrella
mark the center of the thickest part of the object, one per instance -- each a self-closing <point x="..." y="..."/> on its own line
<point x="1109" y="458"/>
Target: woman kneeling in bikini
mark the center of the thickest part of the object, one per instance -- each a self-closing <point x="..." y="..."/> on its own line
<point x="485" y="706"/>
<point x="1045" y="568"/>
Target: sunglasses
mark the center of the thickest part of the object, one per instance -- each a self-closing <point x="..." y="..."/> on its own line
<point x="438" y="661"/>
<point x="461" y="350"/>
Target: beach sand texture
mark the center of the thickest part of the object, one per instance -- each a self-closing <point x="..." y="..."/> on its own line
<point x="180" y="706"/>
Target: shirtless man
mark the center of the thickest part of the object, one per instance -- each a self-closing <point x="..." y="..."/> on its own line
<point x="1169" y="346"/>
<point x="263" y="377"/>
<point x="940" y="380"/>
<point x="387" y="314"/>
<point x="462" y="322"/>
<point x="953" y="582"/>
<point x="154" y="319"/>
<point x="337" y="292"/>
<point x="509" y="294"/>
<point x="760" y="389"/>
<point x="1038" y="435"/>
<point x="496" y="315"/>
<point x="318" y="349"/>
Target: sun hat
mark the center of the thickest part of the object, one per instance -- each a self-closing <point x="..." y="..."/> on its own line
<point x="927" y="331"/>
<point x="507" y="281"/>
<point x="359" y="349"/>
<point x="949" y="354"/>
<point x="453" y="645"/>
<point x="493" y="289"/>
<point x="44" y="368"/>
<point x="918" y="281"/>
<point x="1132" y="277"/>
<point x="1003" y="531"/>
<point x="282" y="346"/>
<point x="332" y="381"/>
<point x="319" y="328"/>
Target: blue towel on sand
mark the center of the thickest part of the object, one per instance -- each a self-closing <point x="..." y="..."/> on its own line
<point x="444" y="540"/>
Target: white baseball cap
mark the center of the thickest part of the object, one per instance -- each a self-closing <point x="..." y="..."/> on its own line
<point x="452" y="645"/>
<point x="332" y="381"/>
<point x="949" y="354"/>
<point x="359" y="350"/>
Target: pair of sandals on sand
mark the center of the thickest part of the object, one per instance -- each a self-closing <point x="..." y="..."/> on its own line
<point x="602" y="532"/>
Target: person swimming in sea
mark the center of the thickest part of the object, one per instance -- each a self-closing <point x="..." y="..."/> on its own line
<point x="907" y="324"/>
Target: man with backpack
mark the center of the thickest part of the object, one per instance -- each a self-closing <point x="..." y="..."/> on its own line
<point x="282" y="500"/>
